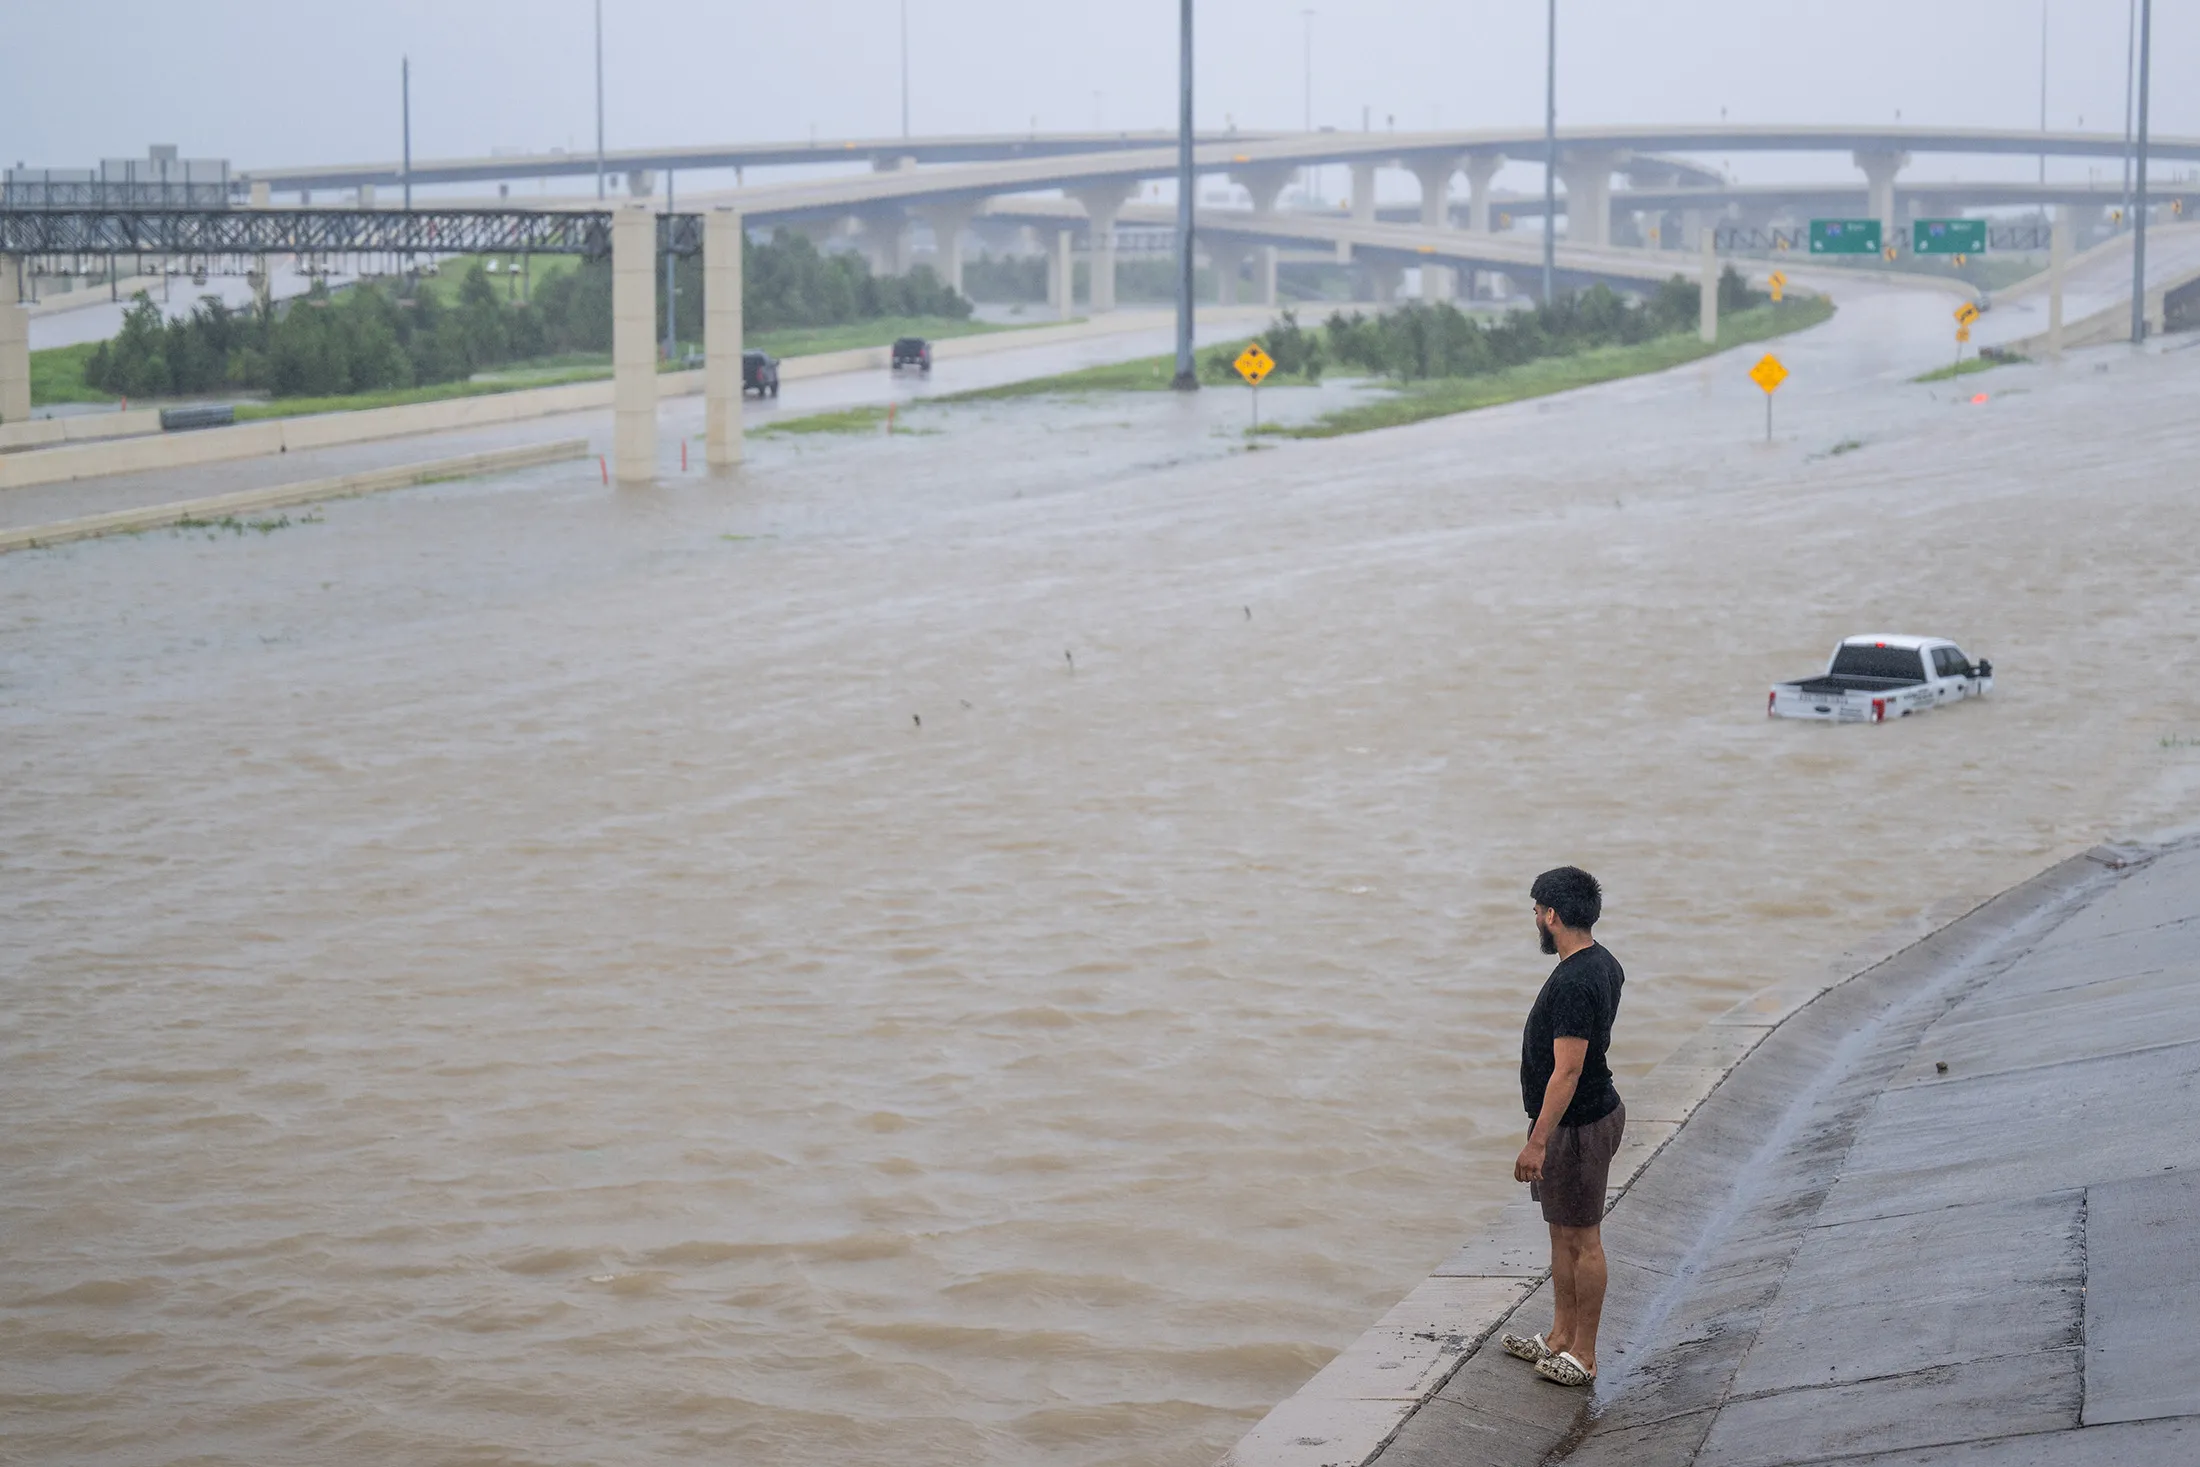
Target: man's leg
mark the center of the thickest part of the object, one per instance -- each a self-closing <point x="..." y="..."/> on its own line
<point x="1583" y="1248"/>
<point x="1561" y="1336"/>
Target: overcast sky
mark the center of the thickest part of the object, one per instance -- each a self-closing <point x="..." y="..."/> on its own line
<point x="315" y="82"/>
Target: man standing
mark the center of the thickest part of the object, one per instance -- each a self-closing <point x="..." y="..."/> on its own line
<point x="1576" y="1118"/>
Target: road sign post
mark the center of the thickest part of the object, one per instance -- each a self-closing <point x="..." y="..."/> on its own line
<point x="1844" y="236"/>
<point x="1253" y="364"/>
<point x="1965" y="315"/>
<point x="1948" y="237"/>
<point x="1768" y="374"/>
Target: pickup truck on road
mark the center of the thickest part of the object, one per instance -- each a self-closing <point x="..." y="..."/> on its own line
<point x="1871" y="679"/>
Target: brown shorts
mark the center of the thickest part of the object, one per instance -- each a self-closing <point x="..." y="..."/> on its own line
<point x="1576" y="1166"/>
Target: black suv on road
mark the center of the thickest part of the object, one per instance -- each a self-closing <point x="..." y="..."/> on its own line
<point x="912" y="351"/>
<point x="759" y="374"/>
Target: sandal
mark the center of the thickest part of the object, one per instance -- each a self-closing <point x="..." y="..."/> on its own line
<point x="1530" y="1348"/>
<point x="1563" y="1369"/>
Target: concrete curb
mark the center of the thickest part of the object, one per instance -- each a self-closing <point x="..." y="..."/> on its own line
<point x="1355" y="1406"/>
<point x="159" y="516"/>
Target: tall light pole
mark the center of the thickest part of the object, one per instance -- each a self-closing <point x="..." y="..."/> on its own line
<point x="2139" y="184"/>
<point x="1187" y="372"/>
<point x="1312" y="173"/>
<point x="2043" y="92"/>
<point x="905" y="68"/>
<point x="405" y="87"/>
<point x="1550" y="154"/>
<point x="599" y="99"/>
<point x="2131" y="52"/>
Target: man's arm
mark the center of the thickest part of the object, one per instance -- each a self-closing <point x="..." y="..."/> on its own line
<point x="1568" y="1056"/>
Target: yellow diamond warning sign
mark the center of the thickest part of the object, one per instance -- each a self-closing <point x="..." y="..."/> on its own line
<point x="1966" y="314"/>
<point x="1769" y="374"/>
<point x="1253" y="363"/>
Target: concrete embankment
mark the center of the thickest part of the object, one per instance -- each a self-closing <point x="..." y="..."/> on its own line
<point x="280" y="496"/>
<point x="1943" y="1211"/>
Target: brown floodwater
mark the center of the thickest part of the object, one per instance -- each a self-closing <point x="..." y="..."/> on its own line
<point x="500" y="973"/>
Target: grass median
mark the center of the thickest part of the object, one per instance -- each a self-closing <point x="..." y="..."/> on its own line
<point x="1440" y="397"/>
<point x="1967" y="367"/>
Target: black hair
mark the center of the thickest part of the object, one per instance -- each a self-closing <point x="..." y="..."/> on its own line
<point x="1573" y="894"/>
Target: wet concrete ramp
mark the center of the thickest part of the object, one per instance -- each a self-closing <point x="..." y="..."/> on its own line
<point x="2142" y="1300"/>
<point x="1945" y="1214"/>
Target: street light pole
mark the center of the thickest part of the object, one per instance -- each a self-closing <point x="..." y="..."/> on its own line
<point x="1187" y="373"/>
<point x="1550" y="154"/>
<point x="2043" y="91"/>
<point x="905" y="68"/>
<point x="2131" y="51"/>
<point x="599" y="99"/>
<point x="1308" y="180"/>
<point x="2139" y="184"/>
<point x="405" y="84"/>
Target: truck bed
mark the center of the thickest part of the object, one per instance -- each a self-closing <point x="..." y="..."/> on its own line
<point x="1850" y="683"/>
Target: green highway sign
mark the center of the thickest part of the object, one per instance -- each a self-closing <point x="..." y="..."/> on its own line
<point x="1844" y="236"/>
<point x="1948" y="237"/>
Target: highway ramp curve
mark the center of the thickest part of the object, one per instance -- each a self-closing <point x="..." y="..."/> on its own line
<point x="1852" y="1254"/>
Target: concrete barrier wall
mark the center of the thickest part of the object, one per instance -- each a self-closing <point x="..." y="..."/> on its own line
<point x="97" y="295"/>
<point x="218" y="506"/>
<point x="77" y="428"/>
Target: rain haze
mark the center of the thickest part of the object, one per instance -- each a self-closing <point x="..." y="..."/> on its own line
<point x="883" y="804"/>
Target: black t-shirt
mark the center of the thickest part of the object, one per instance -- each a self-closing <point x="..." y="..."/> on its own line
<point x="1579" y="1001"/>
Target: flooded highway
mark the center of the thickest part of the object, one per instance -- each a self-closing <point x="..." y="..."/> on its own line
<point x="998" y="944"/>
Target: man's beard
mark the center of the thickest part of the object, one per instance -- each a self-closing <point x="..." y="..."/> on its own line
<point x="1550" y="943"/>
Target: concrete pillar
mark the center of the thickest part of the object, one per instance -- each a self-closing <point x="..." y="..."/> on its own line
<point x="886" y="240"/>
<point x="1265" y="263"/>
<point x="948" y="222"/>
<point x="366" y="196"/>
<point x="722" y="233"/>
<point x="1707" y="313"/>
<point x="15" y="348"/>
<point x="1480" y="169"/>
<point x="1264" y="184"/>
<point x="259" y="193"/>
<point x="1587" y="176"/>
<point x="1228" y="258"/>
<point x="634" y="344"/>
<point x="1103" y="202"/>
<point x="640" y="183"/>
<point x="1435" y="176"/>
<point x="1062" y="275"/>
<point x="2058" y="256"/>
<point x="1879" y="175"/>
<point x="1363" y="193"/>
<point x="1692" y="228"/>
<point x="1386" y="279"/>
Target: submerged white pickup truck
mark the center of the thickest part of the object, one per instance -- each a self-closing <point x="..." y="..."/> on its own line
<point x="1871" y="679"/>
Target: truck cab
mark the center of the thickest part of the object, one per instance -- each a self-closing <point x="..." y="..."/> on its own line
<point x="1881" y="676"/>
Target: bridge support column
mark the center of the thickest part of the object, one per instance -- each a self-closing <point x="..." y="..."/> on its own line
<point x="1707" y="311"/>
<point x="2058" y="256"/>
<point x="1228" y="259"/>
<point x="1480" y="169"/>
<point x="1265" y="264"/>
<point x="15" y="347"/>
<point x="948" y="222"/>
<point x="1103" y="202"/>
<point x="634" y="344"/>
<point x="1587" y="176"/>
<point x="1062" y="275"/>
<point x="886" y="241"/>
<point x="722" y="236"/>
<point x="1383" y="282"/>
<point x="1879" y="175"/>
<point x="1264" y="184"/>
<point x="1363" y="193"/>
<point x="1435" y="178"/>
